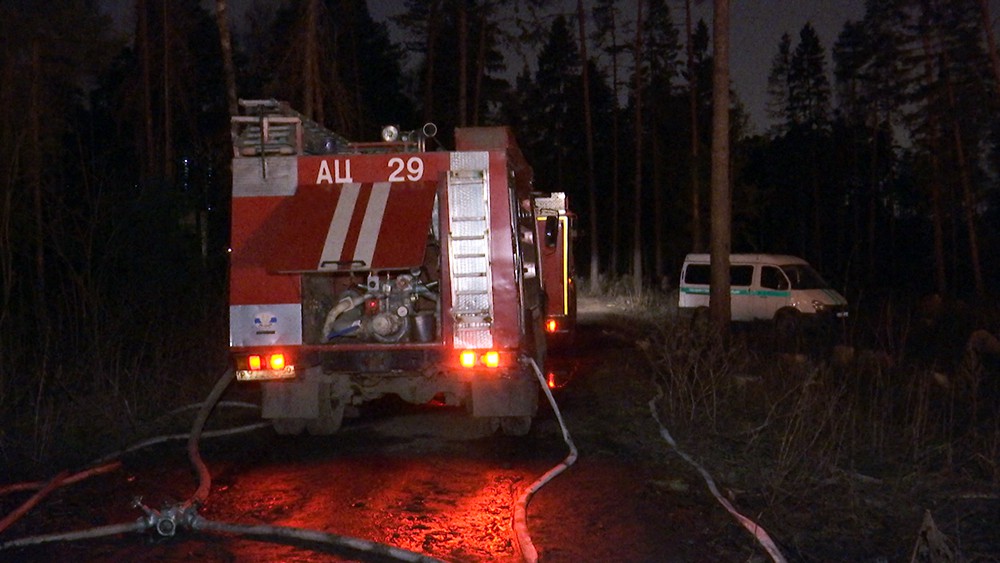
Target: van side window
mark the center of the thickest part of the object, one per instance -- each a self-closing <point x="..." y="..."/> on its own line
<point x="772" y="278"/>
<point x="740" y="276"/>
<point x="701" y="274"/>
<point x="697" y="274"/>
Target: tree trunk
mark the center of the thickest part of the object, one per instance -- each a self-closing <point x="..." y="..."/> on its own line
<point x="937" y="217"/>
<point x="589" y="123"/>
<point x="432" y="26"/>
<point x="968" y="197"/>
<point x="34" y="174"/>
<point x="33" y="171"/>
<point x="480" y="71"/>
<point x="615" y="156"/>
<point x="984" y="6"/>
<point x="637" y="199"/>
<point x="312" y="82"/>
<point x="168" y="146"/>
<point x="226" y="43"/>
<point x="697" y="244"/>
<point x="146" y="166"/>
<point x="659" y="267"/>
<point x="817" y="234"/>
<point x="719" y="299"/>
<point x="463" y="64"/>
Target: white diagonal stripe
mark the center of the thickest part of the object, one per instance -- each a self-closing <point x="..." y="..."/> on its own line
<point x="339" y="224"/>
<point x="372" y="224"/>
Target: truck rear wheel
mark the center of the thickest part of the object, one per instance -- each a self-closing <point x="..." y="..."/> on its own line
<point x="331" y="412"/>
<point x="288" y="426"/>
<point x="515" y="425"/>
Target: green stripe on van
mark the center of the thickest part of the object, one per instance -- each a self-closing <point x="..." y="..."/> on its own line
<point x="758" y="292"/>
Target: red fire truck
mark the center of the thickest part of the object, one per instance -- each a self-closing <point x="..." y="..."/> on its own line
<point x="365" y="269"/>
<point x="554" y="227"/>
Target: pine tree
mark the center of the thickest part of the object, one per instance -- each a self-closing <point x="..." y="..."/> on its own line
<point x="808" y="85"/>
<point x="778" y="85"/>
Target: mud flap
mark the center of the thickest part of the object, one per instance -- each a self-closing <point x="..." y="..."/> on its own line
<point x="516" y="396"/>
<point x="297" y="398"/>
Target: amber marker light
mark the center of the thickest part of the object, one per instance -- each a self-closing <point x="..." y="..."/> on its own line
<point x="467" y="358"/>
<point x="491" y="359"/>
<point x="254" y="362"/>
<point x="277" y="362"/>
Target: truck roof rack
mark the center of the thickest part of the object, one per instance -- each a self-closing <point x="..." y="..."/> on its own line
<point x="270" y="127"/>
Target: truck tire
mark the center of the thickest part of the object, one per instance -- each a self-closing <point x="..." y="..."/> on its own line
<point x="334" y="395"/>
<point x="515" y="425"/>
<point x="325" y="425"/>
<point x="288" y="426"/>
<point x="330" y="419"/>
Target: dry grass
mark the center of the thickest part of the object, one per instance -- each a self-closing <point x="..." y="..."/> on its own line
<point x="832" y="445"/>
<point x="96" y="387"/>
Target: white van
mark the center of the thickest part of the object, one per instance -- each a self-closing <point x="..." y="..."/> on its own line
<point x="763" y="286"/>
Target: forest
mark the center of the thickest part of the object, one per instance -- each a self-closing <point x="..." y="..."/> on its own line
<point x="880" y="168"/>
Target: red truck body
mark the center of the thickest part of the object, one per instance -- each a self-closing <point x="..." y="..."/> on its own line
<point x="363" y="269"/>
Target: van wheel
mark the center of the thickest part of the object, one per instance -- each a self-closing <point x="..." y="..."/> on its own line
<point x="786" y="325"/>
<point x="701" y="319"/>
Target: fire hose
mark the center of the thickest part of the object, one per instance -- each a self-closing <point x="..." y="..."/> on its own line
<point x="166" y="522"/>
<point x="758" y="532"/>
<point x="520" y="516"/>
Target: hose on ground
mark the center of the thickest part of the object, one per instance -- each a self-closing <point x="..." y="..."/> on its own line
<point x="520" y="517"/>
<point x="194" y="455"/>
<point x="169" y="437"/>
<point x="104" y="464"/>
<point x="758" y="532"/>
<point x="90" y="533"/>
<point x="232" y="404"/>
<point x="74" y="478"/>
<point x="286" y="533"/>
<point x="52" y="485"/>
<point x="167" y="521"/>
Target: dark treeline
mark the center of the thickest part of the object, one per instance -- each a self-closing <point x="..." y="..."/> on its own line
<point x="114" y="149"/>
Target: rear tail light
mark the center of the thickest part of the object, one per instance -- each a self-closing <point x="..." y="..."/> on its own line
<point x="273" y="365"/>
<point x="479" y="358"/>
<point x="256" y="362"/>
<point x="467" y="358"/>
<point x="551" y="325"/>
<point x="277" y="361"/>
<point x="491" y="359"/>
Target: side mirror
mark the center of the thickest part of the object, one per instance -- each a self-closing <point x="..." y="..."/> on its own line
<point x="551" y="231"/>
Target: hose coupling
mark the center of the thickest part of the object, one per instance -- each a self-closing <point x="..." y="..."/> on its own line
<point x="165" y="521"/>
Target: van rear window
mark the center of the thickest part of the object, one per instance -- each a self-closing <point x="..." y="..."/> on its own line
<point x="701" y="274"/>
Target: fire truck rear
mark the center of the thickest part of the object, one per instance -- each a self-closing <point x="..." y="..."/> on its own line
<point x="365" y="269"/>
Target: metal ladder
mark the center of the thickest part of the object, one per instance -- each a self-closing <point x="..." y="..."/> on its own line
<point x="270" y="127"/>
<point x="469" y="258"/>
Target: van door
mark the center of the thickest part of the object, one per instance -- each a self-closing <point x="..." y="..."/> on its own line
<point x="740" y="290"/>
<point x="774" y="292"/>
